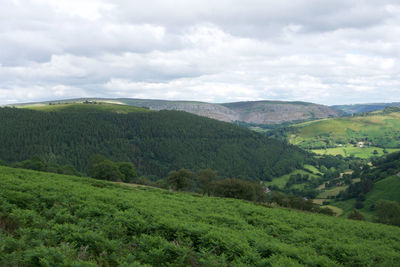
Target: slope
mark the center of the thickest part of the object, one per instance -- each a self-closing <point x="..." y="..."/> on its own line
<point x="87" y="107"/>
<point x="358" y="135"/>
<point x="361" y="108"/>
<point x="156" y="142"/>
<point x="209" y="110"/>
<point x="276" y="112"/>
<point x="375" y="183"/>
<point x="49" y="219"/>
<point x="251" y="112"/>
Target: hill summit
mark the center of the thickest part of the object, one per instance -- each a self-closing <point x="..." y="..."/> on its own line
<point x="251" y="112"/>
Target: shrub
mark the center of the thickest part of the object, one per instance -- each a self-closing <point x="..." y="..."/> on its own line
<point x="356" y="215"/>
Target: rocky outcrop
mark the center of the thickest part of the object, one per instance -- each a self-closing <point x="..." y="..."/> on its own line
<point x="257" y="112"/>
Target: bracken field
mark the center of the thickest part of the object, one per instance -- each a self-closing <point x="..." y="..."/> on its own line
<point x="57" y="220"/>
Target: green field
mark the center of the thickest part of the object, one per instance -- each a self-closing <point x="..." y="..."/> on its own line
<point x="346" y="206"/>
<point x="332" y="192"/>
<point x="386" y="189"/>
<point x="312" y="169"/>
<point x="281" y="181"/>
<point x="56" y="220"/>
<point x="380" y="129"/>
<point x="81" y="107"/>
<point x="349" y="150"/>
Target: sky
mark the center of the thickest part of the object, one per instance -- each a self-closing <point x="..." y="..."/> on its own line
<point x="327" y="52"/>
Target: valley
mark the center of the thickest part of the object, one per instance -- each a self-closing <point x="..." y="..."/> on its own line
<point x="199" y="133"/>
<point x="364" y="136"/>
<point x="146" y="155"/>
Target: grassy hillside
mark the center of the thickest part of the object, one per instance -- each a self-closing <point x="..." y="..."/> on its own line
<point x="88" y="107"/>
<point x="385" y="189"/>
<point x="375" y="130"/>
<point x="371" y="184"/>
<point x="156" y="142"/>
<point x="55" y="220"/>
<point x="388" y="188"/>
<point x="361" y="108"/>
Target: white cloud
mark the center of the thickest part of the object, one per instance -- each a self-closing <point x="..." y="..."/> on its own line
<point x="87" y="9"/>
<point x="229" y="50"/>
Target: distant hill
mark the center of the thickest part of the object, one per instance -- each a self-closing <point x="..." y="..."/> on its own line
<point x="250" y="112"/>
<point x="276" y="112"/>
<point x="209" y="110"/>
<point x="357" y="135"/>
<point x="156" y="142"/>
<point x="360" y="108"/>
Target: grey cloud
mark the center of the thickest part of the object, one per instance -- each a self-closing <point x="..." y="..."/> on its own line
<point x="207" y="50"/>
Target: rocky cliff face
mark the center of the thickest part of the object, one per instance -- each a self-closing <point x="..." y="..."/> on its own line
<point x="274" y="112"/>
<point x="258" y="112"/>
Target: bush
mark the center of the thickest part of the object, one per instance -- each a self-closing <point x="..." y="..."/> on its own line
<point x="356" y="215"/>
<point x="206" y="179"/>
<point x="181" y="179"/>
<point x="34" y="163"/>
<point x="237" y="188"/>
<point x="127" y="170"/>
<point x="101" y="168"/>
<point x="358" y="205"/>
<point x="388" y="212"/>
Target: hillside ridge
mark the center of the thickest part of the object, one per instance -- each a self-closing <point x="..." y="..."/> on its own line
<point x="251" y="112"/>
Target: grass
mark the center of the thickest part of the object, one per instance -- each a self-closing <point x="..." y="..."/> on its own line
<point x="381" y="128"/>
<point x="57" y="220"/>
<point x="349" y="150"/>
<point x="338" y="211"/>
<point x="386" y="189"/>
<point x="312" y="169"/>
<point x="80" y="107"/>
<point x="281" y="181"/>
<point x="346" y="206"/>
<point x="332" y="192"/>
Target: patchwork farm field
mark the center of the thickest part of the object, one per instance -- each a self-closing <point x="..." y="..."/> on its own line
<point x="57" y="220"/>
<point x="341" y="136"/>
<point x="350" y="150"/>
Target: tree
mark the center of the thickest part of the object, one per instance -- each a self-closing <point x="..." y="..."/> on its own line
<point x="206" y="179"/>
<point x="127" y="170"/>
<point x="181" y="179"/>
<point x="388" y="212"/>
<point x="93" y="162"/>
<point x="35" y="163"/>
<point x="69" y="170"/>
<point x="101" y="168"/>
<point x="359" y="204"/>
<point x="237" y="188"/>
<point x="356" y="215"/>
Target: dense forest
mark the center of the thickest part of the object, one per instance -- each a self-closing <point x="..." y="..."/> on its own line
<point x="155" y="142"/>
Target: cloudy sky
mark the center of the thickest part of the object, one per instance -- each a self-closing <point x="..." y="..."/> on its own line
<point x="328" y="52"/>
